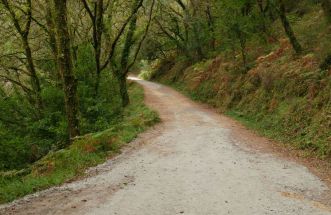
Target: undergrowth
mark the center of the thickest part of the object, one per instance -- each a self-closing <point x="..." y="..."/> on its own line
<point x="60" y="166"/>
<point x="284" y="96"/>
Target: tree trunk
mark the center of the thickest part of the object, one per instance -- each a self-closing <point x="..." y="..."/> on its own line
<point x="263" y="19"/>
<point x="51" y="36"/>
<point x="123" y="89"/>
<point x="326" y="5"/>
<point x="121" y="73"/>
<point x="33" y="74"/>
<point x="288" y="29"/>
<point x="243" y="51"/>
<point x="96" y="16"/>
<point x="128" y="43"/>
<point x="186" y="17"/>
<point x="97" y="37"/>
<point x="210" y="20"/>
<point x="65" y="66"/>
<point x="124" y="92"/>
<point x="196" y="25"/>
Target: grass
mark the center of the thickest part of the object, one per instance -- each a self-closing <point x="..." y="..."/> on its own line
<point x="291" y="106"/>
<point x="67" y="164"/>
<point x="263" y="127"/>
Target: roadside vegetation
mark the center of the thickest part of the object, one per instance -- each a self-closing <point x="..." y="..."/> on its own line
<point x="65" y="104"/>
<point x="265" y="63"/>
<point x="59" y="166"/>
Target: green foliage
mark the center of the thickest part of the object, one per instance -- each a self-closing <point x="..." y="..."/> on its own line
<point x="63" y="165"/>
<point x="56" y="78"/>
<point x="283" y="101"/>
<point x="28" y="139"/>
<point x="57" y="82"/>
<point x="146" y="70"/>
<point x="255" y="77"/>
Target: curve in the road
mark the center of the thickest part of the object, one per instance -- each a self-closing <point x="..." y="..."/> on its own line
<point x="196" y="162"/>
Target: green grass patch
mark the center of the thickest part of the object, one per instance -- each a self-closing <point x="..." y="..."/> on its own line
<point x="60" y="166"/>
<point x="262" y="126"/>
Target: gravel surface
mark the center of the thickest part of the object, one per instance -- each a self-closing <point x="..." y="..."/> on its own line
<point x="195" y="162"/>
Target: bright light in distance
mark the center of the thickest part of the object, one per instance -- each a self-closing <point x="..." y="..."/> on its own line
<point x="134" y="78"/>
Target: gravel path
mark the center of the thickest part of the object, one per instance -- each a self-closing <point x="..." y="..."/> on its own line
<point x="196" y="162"/>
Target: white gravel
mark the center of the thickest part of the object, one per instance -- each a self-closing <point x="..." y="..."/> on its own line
<point x="191" y="164"/>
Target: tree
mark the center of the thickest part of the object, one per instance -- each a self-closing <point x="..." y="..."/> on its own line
<point x="197" y="29"/>
<point x="211" y="24"/>
<point x="122" y="71"/>
<point x="236" y="26"/>
<point x="287" y="27"/>
<point x="326" y="5"/>
<point x="65" y="66"/>
<point x="119" y="73"/>
<point x="99" y="28"/>
<point x="97" y="31"/>
<point x="49" y="17"/>
<point x="264" y="15"/>
<point x="24" y="30"/>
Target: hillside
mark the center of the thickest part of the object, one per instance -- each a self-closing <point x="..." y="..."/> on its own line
<point x="283" y="95"/>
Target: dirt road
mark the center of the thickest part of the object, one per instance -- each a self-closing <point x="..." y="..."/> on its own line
<point x="196" y="162"/>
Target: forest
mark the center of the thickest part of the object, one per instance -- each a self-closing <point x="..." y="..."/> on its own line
<point x="64" y="66"/>
<point x="63" y="71"/>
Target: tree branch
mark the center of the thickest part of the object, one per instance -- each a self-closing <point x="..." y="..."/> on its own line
<point x="24" y="88"/>
<point x="142" y="39"/>
<point x="118" y="36"/>
<point x="87" y="8"/>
